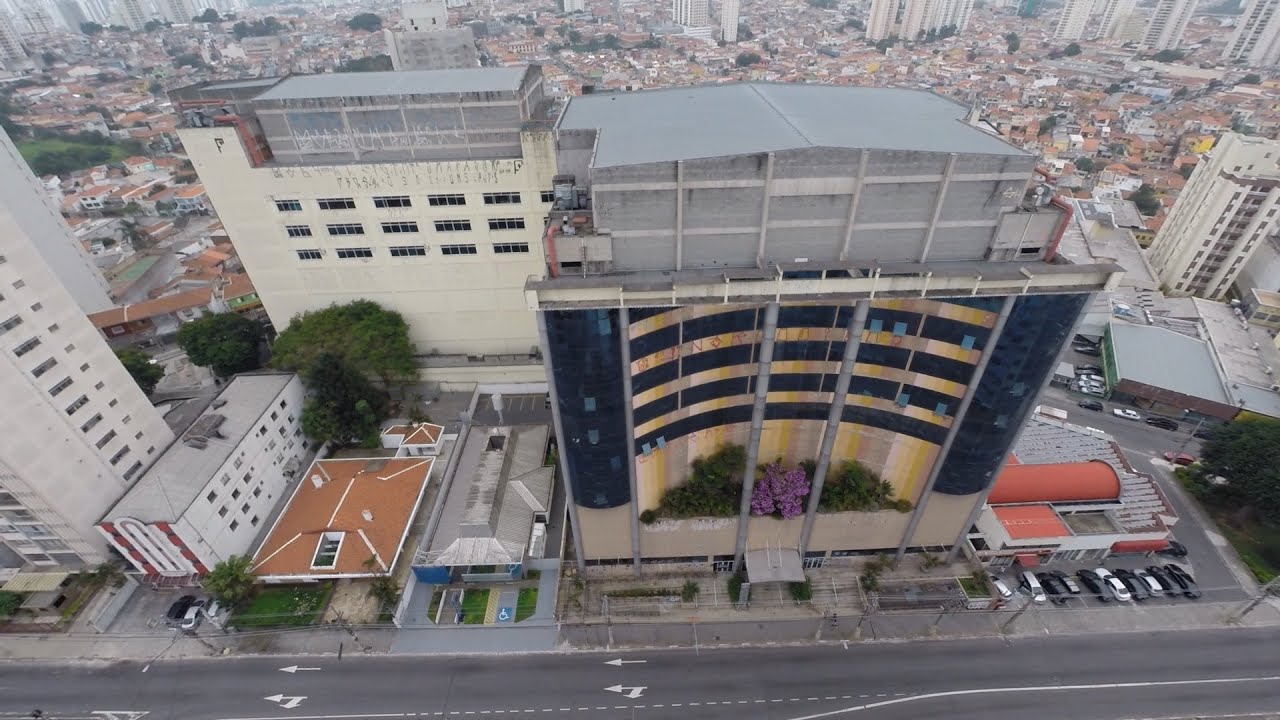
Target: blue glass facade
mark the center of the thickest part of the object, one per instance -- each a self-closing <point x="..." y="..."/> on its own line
<point x="1024" y="356"/>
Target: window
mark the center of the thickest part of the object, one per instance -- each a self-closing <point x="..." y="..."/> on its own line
<point x="408" y="251"/>
<point x="44" y="367"/>
<point x="502" y="198"/>
<point x="37" y="307"/>
<point x="327" y="551"/>
<point x="257" y="492"/>
<point x="345" y="229"/>
<point x="69" y="347"/>
<point x="19" y="284"/>
<point x="298" y="230"/>
<point x="452" y="225"/>
<point x="99" y="385"/>
<point x="400" y="227"/>
<point x="506" y="223"/>
<point x="449" y="200"/>
<point x="91" y="422"/>
<point x="10" y="324"/>
<point x="392" y="201"/>
<point x="63" y="384"/>
<point x="289" y="205"/>
<point x="235" y="494"/>
<point x="254" y="521"/>
<point x="336" y="204"/>
<point x="234" y="524"/>
<point x="505" y="248"/>
<point x="358" y="252"/>
<point x="26" y="347"/>
<point x="222" y="511"/>
<point x="115" y="459"/>
<point x="548" y="196"/>
<point x="133" y="470"/>
<point x="102" y="441"/>
<point x="114" y="402"/>
<point x="79" y="403"/>
<point x="244" y="508"/>
<point x="84" y="367"/>
<point x="309" y="254"/>
<point x="457" y="249"/>
<point x="52" y="328"/>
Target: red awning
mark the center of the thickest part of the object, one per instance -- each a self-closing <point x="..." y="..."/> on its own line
<point x="1027" y="560"/>
<point x="1139" y="546"/>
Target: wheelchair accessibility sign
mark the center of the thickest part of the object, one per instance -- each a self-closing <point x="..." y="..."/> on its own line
<point x="505" y="615"/>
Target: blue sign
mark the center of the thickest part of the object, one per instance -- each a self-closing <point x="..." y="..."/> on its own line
<point x="505" y="615"/>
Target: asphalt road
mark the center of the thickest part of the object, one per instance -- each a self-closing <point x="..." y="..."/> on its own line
<point x="1217" y="672"/>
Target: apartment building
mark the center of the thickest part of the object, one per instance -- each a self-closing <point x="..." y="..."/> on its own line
<point x="1167" y="24"/>
<point x="423" y="40"/>
<point x="211" y="493"/>
<point x="1256" y="40"/>
<point x="1227" y="210"/>
<point x="12" y="53"/>
<point x="133" y="14"/>
<point x="1114" y="16"/>
<point x="76" y="430"/>
<point x="427" y="195"/>
<point x="729" y="20"/>
<point x="1074" y="21"/>
<point x="690" y="13"/>
<point x="882" y="19"/>
<point x="748" y="267"/>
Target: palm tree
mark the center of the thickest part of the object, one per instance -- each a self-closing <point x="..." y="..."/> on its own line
<point x="231" y="581"/>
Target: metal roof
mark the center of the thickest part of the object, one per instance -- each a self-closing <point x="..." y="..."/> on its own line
<point x="30" y="582"/>
<point x="407" y="82"/>
<point x="1165" y="359"/>
<point x="743" y="118"/>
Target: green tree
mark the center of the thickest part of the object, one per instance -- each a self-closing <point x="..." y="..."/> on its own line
<point x="230" y="582"/>
<point x="369" y="337"/>
<point x="1112" y="88"/>
<point x="1168" y="56"/>
<point x="344" y="408"/>
<point x="1071" y="50"/>
<point x="1186" y="170"/>
<point x="746" y="59"/>
<point x="1146" y="200"/>
<point x="1243" y="452"/>
<point x="190" y="60"/>
<point x="226" y="343"/>
<point x="208" y="16"/>
<point x="365" y="21"/>
<point x="151" y="26"/>
<point x="376" y="63"/>
<point x="1047" y="125"/>
<point x="1014" y="42"/>
<point x="1084" y="164"/>
<point x="91" y="28"/>
<point x="141" y="369"/>
<point x="9" y="603"/>
<point x="1251" y="79"/>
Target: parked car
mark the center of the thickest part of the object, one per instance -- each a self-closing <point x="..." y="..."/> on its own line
<point x="1088" y="369"/>
<point x="1203" y="433"/>
<point x="1136" y="586"/>
<point x="191" y="620"/>
<point x="1056" y="590"/>
<point x="1179" y="458"/>
<point x="1166" y="583"/>
<point x="1162" y="423"/>
<point x="1090" y="350"/>
<point x="1094" y="585"/>
<point x="1001" y="587"/>
<point x="1094" y="390"/>
<point x="1032" y="585"/>
<point x="1175" y="549"/>
<point x="1126" y="413"/>
<point x="1066" y="580"/>
<point x="178" y="610"/>
<point x="1093" y="405"/>
<point x="1098" y="379"/>
<point x="1113" y="585"/>
<point x="1184" y="580"/>
<point x="1153" y="585"/>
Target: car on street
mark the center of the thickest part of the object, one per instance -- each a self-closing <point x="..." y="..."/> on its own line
<point x="1162" y="423"/>
<point x="1093" y="405"/>
<point x="1166" y="583"/>
<point x="1094" y="585"/>
<point x="1113" y="585"/>
<point x="1184" y="580"/>
<point x="1153" y="586"/>
<point x="1001" y="587"/>
<point x="1126" y="413"/>
<point x="1094" y="390"/>
<point x="1066" y="580"/>
<point x="1203" y="433"/>
<point x="1178" y="458"/>
<point x="1136" y="586"/>
<point x="178" y="610"/>
<point x="1175" y="549"/>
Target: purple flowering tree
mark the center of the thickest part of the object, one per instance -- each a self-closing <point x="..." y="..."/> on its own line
<point x="780" y="491"/>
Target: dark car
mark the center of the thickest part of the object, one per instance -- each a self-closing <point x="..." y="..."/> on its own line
<point x="1090" y="350"/>
<point x="1056" y="590"/>
<point x="1088" y="370"/>
<point x="1136" y="585"/>
<point x="1093" y="405"/>
<point x="1094" y="585"/>
<point x="179" y="608"/>
<point x="1066" y="581"/>
<point x="1170" y="587"/>
<point x="1175" y="549"/>
<point x="1203" y="433"/>
<point x="1162" y="423"/>
<point x="1184" y="580"/>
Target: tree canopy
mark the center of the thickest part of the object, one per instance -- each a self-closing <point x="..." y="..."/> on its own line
<point x="366" y="64"/>
<point x="1251" y="79"/>
<point x="746" y="59"/>
<point x="230" y="582"/>
<point x="1169" y="56"/>
<point x="365" y="21"/>
<point x="1146" y="200"/>
<point x="1243" y="452"/>
<point x="257" y="28"/>
<point x="91" y="28"/>
<point x="369" y="337"/>
<point x="141" y="369"/>
<point x="344" y="408"/>
<point x="226" y="343"/>
<point x="1084" y="164"/>
<point x="1071" y="50"/>
<point x="208" y="16"/>
<point x="1014" y="42"/>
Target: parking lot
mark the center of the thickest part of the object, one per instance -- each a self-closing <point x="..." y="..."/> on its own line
<point x="144" y="613"/>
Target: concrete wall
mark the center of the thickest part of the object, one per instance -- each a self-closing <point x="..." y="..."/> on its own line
<point x="439" y="49"/>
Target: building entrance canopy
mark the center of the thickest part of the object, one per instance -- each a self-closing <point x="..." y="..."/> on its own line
<point x="774" y="565"/>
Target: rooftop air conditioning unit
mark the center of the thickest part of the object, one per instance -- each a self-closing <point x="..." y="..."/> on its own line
<point x="317" y="481"/>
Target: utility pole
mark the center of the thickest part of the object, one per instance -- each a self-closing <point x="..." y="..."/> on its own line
<point x="1263" y="592"/>
<point x="1005" y="628"/>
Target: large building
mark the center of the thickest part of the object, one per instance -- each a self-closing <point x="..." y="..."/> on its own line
<point x="1114" y="16"/>
<point x="177" y="11"/>
<point x="1167" y="24"/>
<point x="1226" y="211"/>
<point x="954" y="13"/>
<point x="1256" y="40"/>
<point x="428" y="195"/>
<point x="76" y="430"/>
<point x="912" y="19"/>
<point x="690" y="13"/>
<point x="1074" y="21"/>
<point x="424" y="41"/>
<point x="882" y="20"/>
<point x="744" y="266"/>
<point x="133" y="14"/>
<point x="729" y="20"/>
<point x="12" y="53"/>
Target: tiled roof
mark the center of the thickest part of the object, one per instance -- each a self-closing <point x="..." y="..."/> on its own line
<point x="1026" y="522"/>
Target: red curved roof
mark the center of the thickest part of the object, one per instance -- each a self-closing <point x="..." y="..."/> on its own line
<point x="1062" y="482"/>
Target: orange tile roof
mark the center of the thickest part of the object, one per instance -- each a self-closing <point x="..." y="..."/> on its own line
<point x="191" y="191"/>
<point x="151" y="308"/>
<point x="389" y="489"/>
<point x="1026" y="522"/>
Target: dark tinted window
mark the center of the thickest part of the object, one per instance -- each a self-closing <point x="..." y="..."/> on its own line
<point x="721" y="357"/>
<point x="894" y="422"/>
<point x="819" y="316"/>
<point x="795" y="382"/>
<point x="661" y="406"/>
<point x="875" y="387"/>
<point x="797" y="411"/>
<point x="889" y="319"/>
<point x="701" y="421"/>
<point x="635" y="315"/>
<point x="800" y="350"/>
<point x="836" y="352"/>
<point x="719" y="324"/>
<point x="929" y="399"/>
<point x="650" y="343"/>
<point x="883" y="355"/>
<point x="844" y="314"/>
<point x="655" y="376"/>
<point x="954" y="332"/>
<point x="990" y="304"/>
<point x="940" y="367"/>
<point x="710" y="390"/>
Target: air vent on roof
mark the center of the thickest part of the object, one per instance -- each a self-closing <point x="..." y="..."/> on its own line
<point x="199" y="443"/>
<point x="367" y="515"/>
<point x="317" y="481"/>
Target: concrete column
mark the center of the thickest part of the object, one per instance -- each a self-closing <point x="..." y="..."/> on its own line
<point x="853" y="204"/>
<point x="757" y="425"/>
<point x="764" y="210"/>
<point x="561" y="442"/>
<point x="982" y="496"/>
<point x="937" y="206"/>
<point x="856" y="325"/>
<point x="679" y="214"/>
<point x="624" y="324"/>
<point x="956" y="421"/>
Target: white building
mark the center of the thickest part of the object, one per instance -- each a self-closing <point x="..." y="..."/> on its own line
<point x="1256" y="40"/>
<point x="690" y="13"/>
<point x="38" y="21"/>
<point x="12" y="53"/>
<point x="210" y="494"/>
<point x="423" y="40"/>
<point x="729" y="20"/>
<point x="133" y="14"/>
<point x="1225" y="212"/>
<point x="1074" y="20"/>
<point x="575" y="6"/>
<point x="882" y="19"/>
<point x="918" y="17"/>
<point x="1167" y="24"/>
<point x="447" y="239"/>
<point x="177" y="11"/>
<point x="1114" y="15"/>
<point x="76" y="430"/>
<point x="954" y="12"/>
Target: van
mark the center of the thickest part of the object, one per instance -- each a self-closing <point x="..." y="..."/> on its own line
<point x="1032" y="586"/>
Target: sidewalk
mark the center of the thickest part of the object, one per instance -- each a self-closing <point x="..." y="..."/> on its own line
<point x="147" y="648"/>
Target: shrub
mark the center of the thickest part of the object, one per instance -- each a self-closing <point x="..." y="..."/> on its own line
<point x="648" y="517"/>
<point x="735" y="587"/>
<point x="689" y="591"/>
<point x="855" y="486"/>
<point x="779" y="492"/>
<point x="801" y="591"/>
<point x="870" y="581"/>
<point x="713" y="489"/>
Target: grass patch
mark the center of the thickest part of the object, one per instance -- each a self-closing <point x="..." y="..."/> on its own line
<point x="60" y="155"/>
<point x="474" y="605"/>
<point x="1249" y="544"/>
<point x="436" y="598"/>
<point x="644" y="592"/>
<point x="526" y="603"/>
<point x="292" y="605"/>
<point x="973" y="588"/>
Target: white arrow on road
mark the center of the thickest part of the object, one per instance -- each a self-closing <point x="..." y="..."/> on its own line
<point x="620" y="662"/>
<point x="120" y="714"/>
<point x="295" y="668"/>
<point x="287" y="702"/>
<point x="631" y="692"/>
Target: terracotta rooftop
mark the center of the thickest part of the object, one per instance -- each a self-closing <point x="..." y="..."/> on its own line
<point x="1063" y="482"/>
<point x="199" y="297"/>
<point x="1026" y="522"/>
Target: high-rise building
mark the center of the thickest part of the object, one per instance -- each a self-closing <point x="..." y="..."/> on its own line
<point x="36" y="20"/>
<point x="954" y="13"/>
<point x="76" y="429"/>
<point x="1224" y="213"/>
<point x="1256" y="40"/>
<point x="1167" y="24"/>
<point x="729" y="20"/>
<point x="432" y="205"/>
<point x="1074" y="20"/>
<point x="12" y="52"/>
<point x="854" y="275"/>
<point x="423" y="40"/>
<point x="690" y="13"/>
<point x="918" y="17"/>
<point x="133" y="14"/>
<point x="882" y="21"/>
<point x="72" y="13"/>
<point x="913" y="19"/>
<point x="1114" y="15"/>
<point x="1030" y="8"/>
<point x="177" y="11"/>
<point x="575" y="6"/>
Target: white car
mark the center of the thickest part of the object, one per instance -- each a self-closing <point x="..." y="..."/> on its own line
<point x="1001" y="587"/>
<point x="1093" y="379"/>
<point x="1153" y="585"/>
<point x="1126" y="413"/>
<point x="191" y="620"/>
<point x="1117" y="588"/>
<point x="1094" y="391"/>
